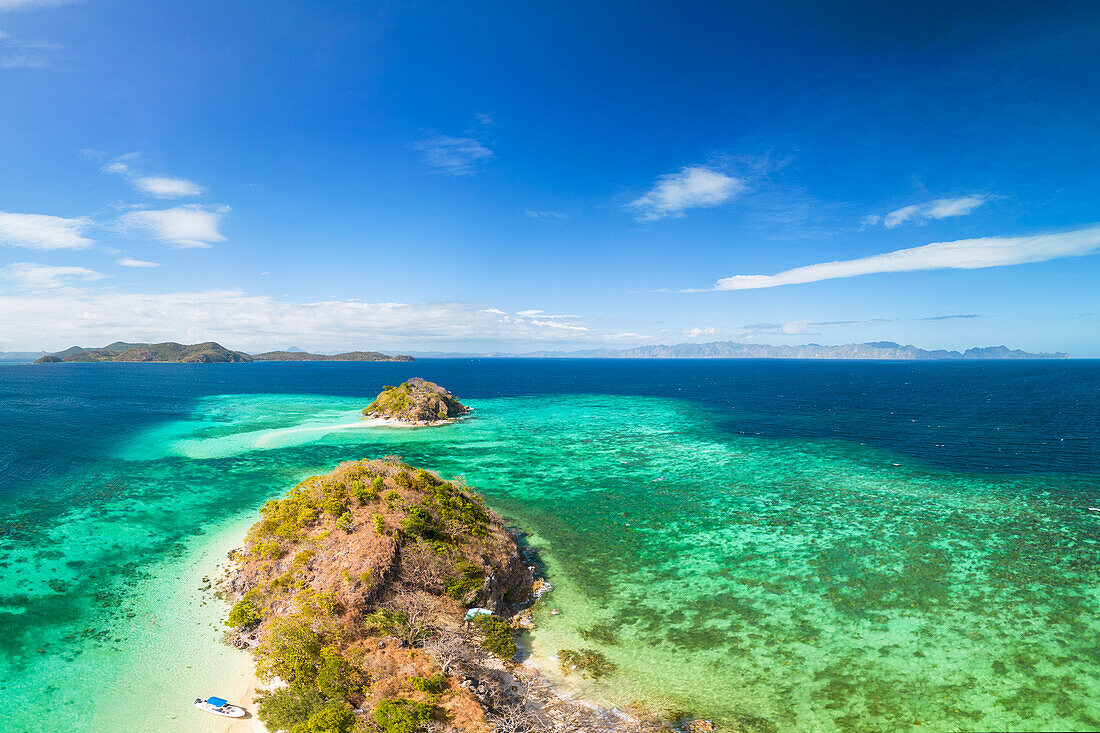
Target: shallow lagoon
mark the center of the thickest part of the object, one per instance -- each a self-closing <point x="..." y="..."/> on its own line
<point x="770" y="581"/>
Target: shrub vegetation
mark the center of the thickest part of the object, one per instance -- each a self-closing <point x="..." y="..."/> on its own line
<point x="498" y="636"/>
<point x="401" y="715"/>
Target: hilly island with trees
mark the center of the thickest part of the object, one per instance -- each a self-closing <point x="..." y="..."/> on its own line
<point x="384" y="598"/>
<point x="208" y="352"/>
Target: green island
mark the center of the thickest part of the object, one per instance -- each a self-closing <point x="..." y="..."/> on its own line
<point x="352" y="593"/>
<point x="416" y="401"/>
<point x="208" y="352"/>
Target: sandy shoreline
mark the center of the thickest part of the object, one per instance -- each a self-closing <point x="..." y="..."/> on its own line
<point x="244" y="695"/>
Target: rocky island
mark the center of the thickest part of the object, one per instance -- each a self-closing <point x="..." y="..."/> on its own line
<point x="378" y="597"/>
<point x="417" y="402"/>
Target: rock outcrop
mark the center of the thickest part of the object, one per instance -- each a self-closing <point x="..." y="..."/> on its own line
<point x="418" y="402"/>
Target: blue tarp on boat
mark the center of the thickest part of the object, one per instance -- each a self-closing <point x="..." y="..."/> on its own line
<point x="216" y="701"/>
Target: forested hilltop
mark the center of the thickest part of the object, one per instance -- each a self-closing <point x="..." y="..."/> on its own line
<point x="208" y="352"/>
<point x="417" y="402"/>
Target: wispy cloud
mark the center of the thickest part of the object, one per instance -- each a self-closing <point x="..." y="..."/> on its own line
<point x="36" y="277"/>
<point x="922" y="213"/>
<point x="948" y="318"/>
<point x="797" y="328"/>
<point x="28" y="4"/>
<point x="691" y="187"/>
<point x="185" y="226"/>
<point x="452" y="156"/>
<point x="168" y="188"/>
<point x="161" y="187"/>
<point x="964" y="254"/>
<point x="18" y="54"/>
<point x="809" y="326"/>
<point x="38" y="231"/>
<point x="240" y="320"/>
<point x="24" y="61"/>
<point x="129" y="262"/>
<point x="693" y="333"/>
<point x="543" y="214"/>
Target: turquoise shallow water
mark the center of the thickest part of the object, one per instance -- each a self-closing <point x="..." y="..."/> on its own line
<point x="770" y="583"/>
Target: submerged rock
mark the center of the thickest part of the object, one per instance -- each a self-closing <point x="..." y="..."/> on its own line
<point x="699" y="726"/>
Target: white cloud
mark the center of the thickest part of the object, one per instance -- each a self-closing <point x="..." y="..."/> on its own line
<point x="944" y="208"/>
<point x="921" y="213"/>
<point x="692" y="187"/>
<point x="35" y="277"/>
<point x="543" y="214"/>
<point x="239" y="320"/>
<point x="168" y="188"/>
<point x="453" y="156"/>
<point x="697" y="332"/>
<point x="185" y="226"/>
<point x="964" y="254"/>
<point x="38" y="231"/>
<point x="161" y="187"/>
<point x="128" y="262"/>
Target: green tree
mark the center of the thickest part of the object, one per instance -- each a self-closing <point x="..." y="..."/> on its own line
<point x="285" y="707"/>
<point x="336" y="676"/>
<point x="498" y="636"/>
<point x="244" y="613"/>
<point x="332" y="718"/>
<point x="401" y="715"/>
<point x="291" y="651"/>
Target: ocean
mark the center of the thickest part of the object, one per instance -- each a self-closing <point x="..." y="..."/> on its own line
<point x="774" y="545"/>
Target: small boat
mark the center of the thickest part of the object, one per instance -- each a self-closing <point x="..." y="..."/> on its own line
<point x="219" y="706"/>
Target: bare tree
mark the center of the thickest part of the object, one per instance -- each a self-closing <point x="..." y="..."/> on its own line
<point x="422" y="567"/>
<point x="418" y="609"/>
<point x="448" y="649"/>
<point x="517" y="719"/>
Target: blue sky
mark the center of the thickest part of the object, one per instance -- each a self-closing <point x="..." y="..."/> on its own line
<point x="473" y="176"/>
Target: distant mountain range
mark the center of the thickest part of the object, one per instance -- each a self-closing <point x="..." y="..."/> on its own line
<point x="211" y="352"/>
<point x="20" y="356"/>
<point x="207" y="352"/>
<point x="735" y="350"/>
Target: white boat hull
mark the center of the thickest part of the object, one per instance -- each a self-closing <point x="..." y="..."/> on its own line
<point x="227" y="711"/>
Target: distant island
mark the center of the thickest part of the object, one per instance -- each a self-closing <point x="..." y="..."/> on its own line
<point x="346" y="356"/>
<point x="737" y="350"/>
<point x="207" y="352"/>
<point x="417" y="402"/>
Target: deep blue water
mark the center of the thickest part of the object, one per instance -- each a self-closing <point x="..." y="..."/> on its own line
<point x="1002" y="417"/>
